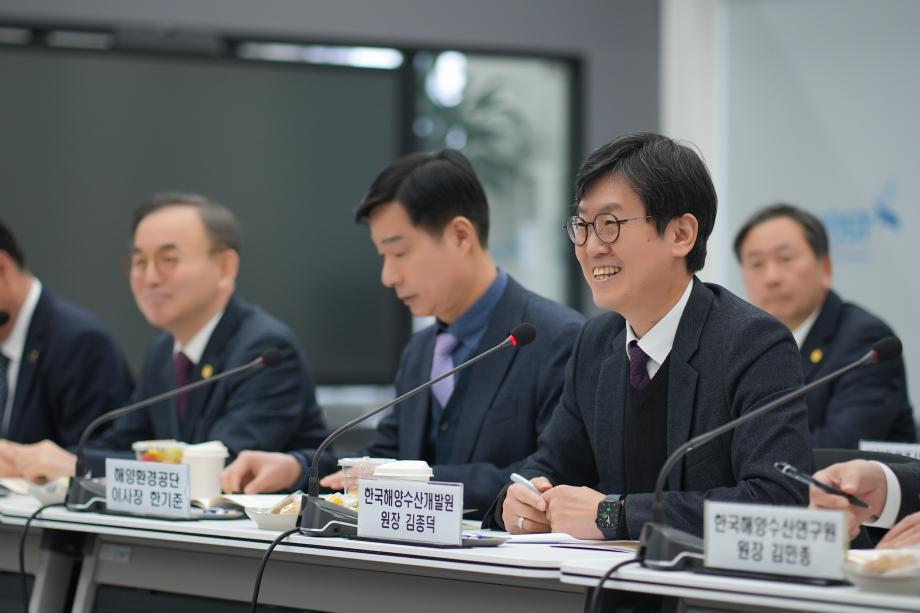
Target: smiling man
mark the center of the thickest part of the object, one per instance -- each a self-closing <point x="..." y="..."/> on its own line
<point x="429" y="220"/>
<point x="785" y="257"/>
<point x="185" y="257"/>
<point x="674" y="358"/>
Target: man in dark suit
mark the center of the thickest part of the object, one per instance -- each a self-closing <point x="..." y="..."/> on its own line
<point x="785" y="258"/>
<point x="892" y="492"/>
<point x="675" y="358"/>
<point x="429" y="220"/>
<point x="59" y="367"/>
<point x="183" y="268"/>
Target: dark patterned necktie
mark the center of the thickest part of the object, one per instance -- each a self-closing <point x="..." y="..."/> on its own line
<point x="184" y="368"/>
<point x="638" y="373"/>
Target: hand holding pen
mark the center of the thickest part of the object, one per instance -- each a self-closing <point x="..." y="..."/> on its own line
<point x="858" y="487"/>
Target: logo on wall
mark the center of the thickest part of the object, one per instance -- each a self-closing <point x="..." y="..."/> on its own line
<point x="851" y="231"/>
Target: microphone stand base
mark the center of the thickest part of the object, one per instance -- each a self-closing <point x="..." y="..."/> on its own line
<point x="85" y="495"/>
<point x="666" y="548"/>
<point x="320" y="517"/>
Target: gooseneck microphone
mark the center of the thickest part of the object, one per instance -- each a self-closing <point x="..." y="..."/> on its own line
<point x="664" y="547"/>
<point x="320" y="518"/>
<point x="83" y="492"/>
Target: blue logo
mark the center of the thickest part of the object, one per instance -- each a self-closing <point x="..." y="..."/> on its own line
<point x="851" y="230"/>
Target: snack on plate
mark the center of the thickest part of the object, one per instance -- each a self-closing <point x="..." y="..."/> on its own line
<point x="890" y="563"/>
<point x="166" y="450"/>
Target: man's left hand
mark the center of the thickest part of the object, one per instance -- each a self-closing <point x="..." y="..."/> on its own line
<point x="573" y="511"/>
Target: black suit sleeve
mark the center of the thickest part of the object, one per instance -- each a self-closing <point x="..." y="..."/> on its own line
<point x="908" y="475"/>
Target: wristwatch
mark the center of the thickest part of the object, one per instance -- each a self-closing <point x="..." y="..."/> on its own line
<point x="610" y="516"/>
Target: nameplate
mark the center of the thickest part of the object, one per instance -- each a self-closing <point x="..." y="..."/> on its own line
<point x="147" y="488"/>
<point x="411" y="511"/>
<point x="775" y="540"/>
<point x="911" y="450"/>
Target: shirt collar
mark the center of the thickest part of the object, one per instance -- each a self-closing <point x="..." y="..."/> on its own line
<point x="14" y="344"/>
<point x="476" y="318"/>
<point x="194" y="349"/>
<point x="658" y="341"/>
<point x="802" y="330"/>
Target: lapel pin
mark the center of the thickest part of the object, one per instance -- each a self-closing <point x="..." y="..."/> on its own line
<point x="816" y="356"/>
<point x="33" y="356"/>
<point x="206" y="371"/>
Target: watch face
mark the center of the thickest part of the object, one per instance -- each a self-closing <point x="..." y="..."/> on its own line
<point x="607" y="514"/>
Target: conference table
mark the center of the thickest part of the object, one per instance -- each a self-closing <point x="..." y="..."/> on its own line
<point x="219" y="560"/>
<point x="172" y="565"/>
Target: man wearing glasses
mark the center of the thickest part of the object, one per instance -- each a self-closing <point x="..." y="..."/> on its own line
<point x="183" y="267"/>
<point x="675" y="358"/>
<point x="429" y="221"/>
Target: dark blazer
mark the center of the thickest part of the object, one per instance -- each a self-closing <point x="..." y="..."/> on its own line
<point x="272" y="409"/>
<point x="908" y="475"/>
<point x="728" y="358"/>
<point x="71" y="371"/>
<point x="868" y="403"/>
<point x="508" y="401"/>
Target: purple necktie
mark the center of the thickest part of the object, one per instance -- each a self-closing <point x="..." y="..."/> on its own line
<point x="184" y="368"/>
<point x="638" y="373"/>
<point x="442" y="361"/>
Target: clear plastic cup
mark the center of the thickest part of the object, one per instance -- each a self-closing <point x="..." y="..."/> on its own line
<point x="205" y="463"/>
<point x="357" y="468"/>
<point x="404" y="470"/>
<point x="164" y="450"/>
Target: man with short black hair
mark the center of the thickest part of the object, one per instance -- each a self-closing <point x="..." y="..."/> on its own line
<point x="60" y="368"/>
<point x="429" y="220"/>
<point x="184" y="262"/>
<point x="785" y="258"/>
<point x="673" y="358"/>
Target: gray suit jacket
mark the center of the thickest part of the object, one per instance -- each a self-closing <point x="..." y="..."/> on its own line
<point x="728" y="358"/>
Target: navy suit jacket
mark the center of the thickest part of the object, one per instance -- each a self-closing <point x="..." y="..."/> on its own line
<point x="728" y="358"/>
<point x="509" y="398"/>
<point x="867" y="403"/>
<point x="71" y="372"/>
<point x="272" y="409"/>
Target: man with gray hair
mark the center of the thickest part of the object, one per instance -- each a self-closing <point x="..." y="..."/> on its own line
<point x="185" y="258"/>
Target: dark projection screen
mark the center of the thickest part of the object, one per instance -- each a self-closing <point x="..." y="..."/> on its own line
<point x="289" y="148"/>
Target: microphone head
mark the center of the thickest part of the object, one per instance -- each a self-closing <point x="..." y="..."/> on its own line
<point x="271" y="357"/>
<point x="522" y="334"/>
<point x="889" y="348"/>
<point x="4" y="317"/>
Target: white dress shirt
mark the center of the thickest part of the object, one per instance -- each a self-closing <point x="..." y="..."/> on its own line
<point x="658" y="341"/>
<point x="194" y="349"/>
<point x="892" y="503"/>
<point x="13" y="347"/>
<point x="802" y="330"/>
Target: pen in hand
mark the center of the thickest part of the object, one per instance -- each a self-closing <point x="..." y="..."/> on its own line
<point x="525" y="482"/>
<point x="794" y="473"/>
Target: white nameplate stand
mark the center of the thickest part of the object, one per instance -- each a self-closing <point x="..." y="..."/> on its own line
<point x="411" y="511"/>
<point x="792" y="541"/>
<point x="147" y="488"/>
<point x="911" y="450"/>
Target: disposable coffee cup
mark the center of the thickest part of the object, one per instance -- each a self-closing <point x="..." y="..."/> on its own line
<point x="404" y="470"/>
<point x="205" y="463"/>
<point x="355" y="468"/>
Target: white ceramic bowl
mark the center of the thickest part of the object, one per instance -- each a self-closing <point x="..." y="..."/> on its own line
<point x="266" y="520"/>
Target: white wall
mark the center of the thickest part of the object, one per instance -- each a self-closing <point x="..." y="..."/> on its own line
<point x="812" y="102"/>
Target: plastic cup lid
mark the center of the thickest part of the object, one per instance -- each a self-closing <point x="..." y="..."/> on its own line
<point x="347" y="462"/>
<point x="404" y="468"/>
<point x="158" y="444"/>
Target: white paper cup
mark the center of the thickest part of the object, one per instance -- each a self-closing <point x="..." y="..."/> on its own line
<point x="404" y="470"/>
<point x="205" y="463"/>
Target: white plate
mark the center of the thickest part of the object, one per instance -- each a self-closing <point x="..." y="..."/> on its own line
<point x="266" y="520"/>
<point x="901" y="581"/>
